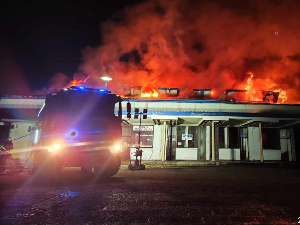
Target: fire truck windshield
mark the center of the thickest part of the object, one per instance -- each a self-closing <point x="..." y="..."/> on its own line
<point x="79" y="110"/>
<point x="87" y="105"/>
<point x="80" y="104"/>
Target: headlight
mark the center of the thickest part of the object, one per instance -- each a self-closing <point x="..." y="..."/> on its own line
<point x="54" y="148"/>
<point x="116" y="148"/>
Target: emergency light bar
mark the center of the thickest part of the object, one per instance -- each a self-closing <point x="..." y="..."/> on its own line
<point x="80" y="88"/>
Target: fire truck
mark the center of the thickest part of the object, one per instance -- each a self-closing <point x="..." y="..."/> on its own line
<point x="79" y="128"/>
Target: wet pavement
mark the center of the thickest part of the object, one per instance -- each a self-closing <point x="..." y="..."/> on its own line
<point x="224" y="194"/>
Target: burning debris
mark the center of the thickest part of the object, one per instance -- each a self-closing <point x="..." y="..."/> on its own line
<point x="169" y="92"/>
<point x="203" y="93"/>
<point x="282" y="96"/>
<point x="270" y="96"/>
<point x="235" y="95"/>
<point x="267" y="96"/>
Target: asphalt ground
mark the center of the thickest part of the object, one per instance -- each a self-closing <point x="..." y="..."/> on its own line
<point x="223" y="194"/>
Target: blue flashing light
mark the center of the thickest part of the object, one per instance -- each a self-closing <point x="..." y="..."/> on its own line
<point x="77" y="88"/>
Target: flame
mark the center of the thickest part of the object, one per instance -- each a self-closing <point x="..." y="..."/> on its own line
<point x="282" y="95"/>
<point x="249" y="87"/>
<point x="252" y="93"/>
<point x="151" y="94"/>
<point x="77" y="82"/>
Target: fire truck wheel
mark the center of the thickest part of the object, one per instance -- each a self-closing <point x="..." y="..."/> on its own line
<point x="110" y="170"/>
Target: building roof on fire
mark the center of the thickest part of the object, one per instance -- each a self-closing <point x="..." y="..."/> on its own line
<point x="14" y="106"/>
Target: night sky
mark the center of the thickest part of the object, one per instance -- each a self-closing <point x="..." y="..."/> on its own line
<point x="41" y="38"/>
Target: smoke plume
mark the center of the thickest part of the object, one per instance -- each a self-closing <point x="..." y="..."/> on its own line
<point x="200" y="44"/>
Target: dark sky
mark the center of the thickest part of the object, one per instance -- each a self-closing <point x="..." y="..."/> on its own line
<point x="41" y="38"/>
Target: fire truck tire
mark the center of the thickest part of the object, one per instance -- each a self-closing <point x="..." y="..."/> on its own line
<point x="110" y="170"/>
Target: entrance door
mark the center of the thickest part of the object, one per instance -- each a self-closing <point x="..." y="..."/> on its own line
<point x="244" y="143"/>
<point x="171" y="142"/>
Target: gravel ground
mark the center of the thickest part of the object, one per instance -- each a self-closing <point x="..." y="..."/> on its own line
<point x="224" y="194"/>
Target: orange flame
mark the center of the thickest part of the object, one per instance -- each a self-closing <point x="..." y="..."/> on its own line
<point x="76" y="82"/>
<point x="249" y="87"/>
<point x="252" y="95"/>
<point x="151" y="94"/>
<point x="282" y="95"/>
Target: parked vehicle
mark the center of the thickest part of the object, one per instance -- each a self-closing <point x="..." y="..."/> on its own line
<point x="79" y="128"/>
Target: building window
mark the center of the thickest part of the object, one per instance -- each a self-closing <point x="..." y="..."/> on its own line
<point x="234" y="137"/>
<point x="186" y="137"/>
<point x="146" y="138"/>
<point x="222" y="137"/>
<point x="270" y="138"/>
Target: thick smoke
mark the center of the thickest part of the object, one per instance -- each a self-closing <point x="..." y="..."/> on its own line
<point x="200" y="44"/>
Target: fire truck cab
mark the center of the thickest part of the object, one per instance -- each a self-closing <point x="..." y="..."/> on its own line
<point x="79" y="128"/>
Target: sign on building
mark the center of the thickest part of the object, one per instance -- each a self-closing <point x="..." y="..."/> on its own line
<point x="187" y="137"/>
<point x="143" y="128"/>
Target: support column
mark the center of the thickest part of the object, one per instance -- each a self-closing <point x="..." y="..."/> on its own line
<point x="213" y="156"/>
<point x="261" y="144"/>
<point x="226" y="140"/>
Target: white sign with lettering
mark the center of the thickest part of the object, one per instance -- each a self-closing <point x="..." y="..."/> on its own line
<point x="187" y="137"/>
<point x="143" y="128"/>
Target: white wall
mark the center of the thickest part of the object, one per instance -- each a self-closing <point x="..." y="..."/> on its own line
<point x="253" y="140"/>
<point x="270" y="154"/>
<point x="186" y="154"/>
<point x="229" y="154"/>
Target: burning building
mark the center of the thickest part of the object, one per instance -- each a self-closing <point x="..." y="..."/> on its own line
<point x="181" y="129"/>
<point x="189" y="68"/>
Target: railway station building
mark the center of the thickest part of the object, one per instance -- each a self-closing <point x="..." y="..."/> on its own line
<point x="179" y="129"/>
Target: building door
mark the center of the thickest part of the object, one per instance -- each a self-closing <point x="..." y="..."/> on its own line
<point x="244" y="143"/>
<point x="126" y="139"/>
<point x="171" y="142"/>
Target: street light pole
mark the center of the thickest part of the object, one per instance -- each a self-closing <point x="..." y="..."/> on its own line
<point x="106" y="80"/>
